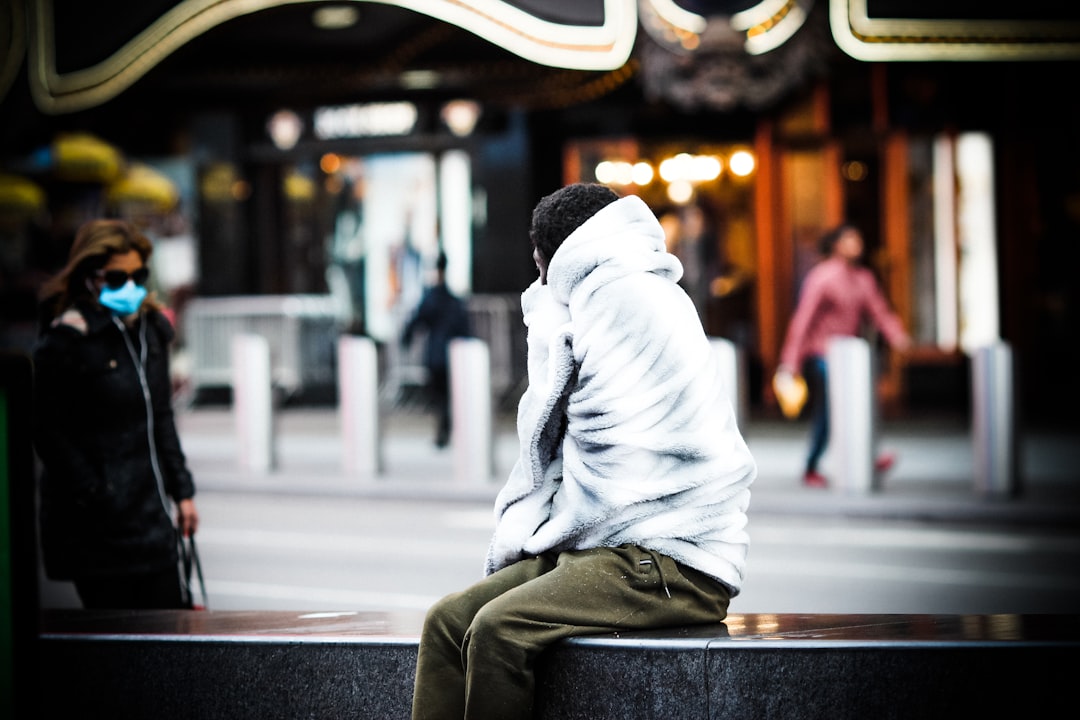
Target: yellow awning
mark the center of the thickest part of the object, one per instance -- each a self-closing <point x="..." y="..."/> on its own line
<point x="144" y="185"/>
<point x="19" y="194"/>
<point x="81" y="157"/>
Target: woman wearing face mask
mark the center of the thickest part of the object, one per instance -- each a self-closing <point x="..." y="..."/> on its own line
<point x="116" y="493"/>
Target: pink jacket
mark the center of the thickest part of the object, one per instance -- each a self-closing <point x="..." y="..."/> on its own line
<point x="835" y="298"/>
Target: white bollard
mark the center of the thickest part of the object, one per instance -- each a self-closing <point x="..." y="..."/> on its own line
<point x="253" y="405"/>
<point x="851" y="413"/>
<point x="470" y="411"/>
<point x="730" y="365"/>
<point x="358" y="403"/>
<point x="994" y="421"/>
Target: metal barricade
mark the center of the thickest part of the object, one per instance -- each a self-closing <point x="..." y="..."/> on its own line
<point x="496" y="319"/>
<point x="301" y="330"/>
<point x="402" y="369"/>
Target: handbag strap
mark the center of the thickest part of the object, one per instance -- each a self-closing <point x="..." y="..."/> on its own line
<point x="191" y="561"/>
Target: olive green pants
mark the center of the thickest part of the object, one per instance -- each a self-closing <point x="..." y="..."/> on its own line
<point x="479" y="646"/>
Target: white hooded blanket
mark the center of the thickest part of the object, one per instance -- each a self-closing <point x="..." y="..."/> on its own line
<point x="625" y="432"/>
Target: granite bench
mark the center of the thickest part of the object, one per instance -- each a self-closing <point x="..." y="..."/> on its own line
<point x="258" y="665"/>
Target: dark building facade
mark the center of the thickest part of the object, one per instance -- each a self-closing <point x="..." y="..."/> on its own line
<point x="945" y="130"/>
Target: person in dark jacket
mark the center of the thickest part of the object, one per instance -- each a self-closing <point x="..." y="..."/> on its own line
<point x="116" y="492"/>
<point x="445" y="317"/>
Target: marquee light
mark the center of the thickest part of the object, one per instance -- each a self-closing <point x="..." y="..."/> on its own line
<point x="691" y="168"/>
<point x="335" y="17"/>
<point x="285" y="128"/>
<point x="741" y="163"/>
<point x="460" y="116"/>
<point x="683" y="169"/>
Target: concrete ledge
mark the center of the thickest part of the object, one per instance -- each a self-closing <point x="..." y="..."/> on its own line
<point x="165" y="665"/>
<point x="869" y="668"/>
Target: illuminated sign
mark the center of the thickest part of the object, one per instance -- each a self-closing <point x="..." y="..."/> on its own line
<point x="65" y="38"/>
<point x="877" y="30"/>
<point x="367" y="120"/>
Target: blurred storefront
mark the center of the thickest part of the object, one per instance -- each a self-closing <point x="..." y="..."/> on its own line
<point x="339" y="162"/>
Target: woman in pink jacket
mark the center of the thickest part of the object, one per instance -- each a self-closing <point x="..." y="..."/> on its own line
<point x="837" y="295"/>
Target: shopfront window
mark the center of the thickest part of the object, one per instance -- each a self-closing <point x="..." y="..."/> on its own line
<point x="389" y="216"/>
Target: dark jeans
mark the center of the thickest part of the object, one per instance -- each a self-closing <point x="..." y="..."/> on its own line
<point x="439" y="394"/>
<point x="817" y="384"/>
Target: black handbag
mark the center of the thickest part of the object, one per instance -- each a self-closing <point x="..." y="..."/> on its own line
<point x="189" y="555"/>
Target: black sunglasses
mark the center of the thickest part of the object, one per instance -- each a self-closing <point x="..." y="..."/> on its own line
<point x="116" y="279"/>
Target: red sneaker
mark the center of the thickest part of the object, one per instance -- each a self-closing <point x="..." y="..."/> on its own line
<point x="815" y="480"/>
<point x="884" y="462"/>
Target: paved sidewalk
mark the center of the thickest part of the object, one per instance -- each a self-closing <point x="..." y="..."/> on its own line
<point x="932" y="480"/>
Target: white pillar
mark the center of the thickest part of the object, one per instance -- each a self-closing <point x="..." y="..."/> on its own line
<point x="358" y="404"/>
<point x="470" y="411"/>
<point x="253" y="405"/>
<point x="730" y="365"/>
<point x="994" y="421"/>
<point x="851" y="413"/>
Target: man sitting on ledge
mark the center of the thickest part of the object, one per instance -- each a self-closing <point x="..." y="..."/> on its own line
<point x="626" y="508"/>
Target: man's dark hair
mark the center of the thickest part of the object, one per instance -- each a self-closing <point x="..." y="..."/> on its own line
<point x="562" y="212"/>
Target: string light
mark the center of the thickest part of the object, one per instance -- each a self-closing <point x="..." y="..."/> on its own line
<point x="682" y="171"/>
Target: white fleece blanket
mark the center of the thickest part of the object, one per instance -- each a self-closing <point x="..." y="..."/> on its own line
<point x="625" y="433"/>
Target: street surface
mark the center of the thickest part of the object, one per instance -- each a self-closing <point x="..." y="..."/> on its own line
<point x="302" y="538"/>
<point x="282" y="552"/>
<point x="333" y="554"/>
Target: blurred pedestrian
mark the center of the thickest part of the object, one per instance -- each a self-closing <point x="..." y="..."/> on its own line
<point x="691" y="237"/>
<point x="116" y="492"/>
<point x="837" y="296"/>
<point x="444" y="316"/>
<point x="626" y="507"/>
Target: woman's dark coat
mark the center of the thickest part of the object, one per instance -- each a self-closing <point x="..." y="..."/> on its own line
<point x="102" y="510"/>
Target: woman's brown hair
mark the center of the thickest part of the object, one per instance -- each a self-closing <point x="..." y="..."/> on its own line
<point x="95" y="242"/>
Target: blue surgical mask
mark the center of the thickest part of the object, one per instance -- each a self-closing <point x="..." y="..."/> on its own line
<point x="124" y="300"/>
